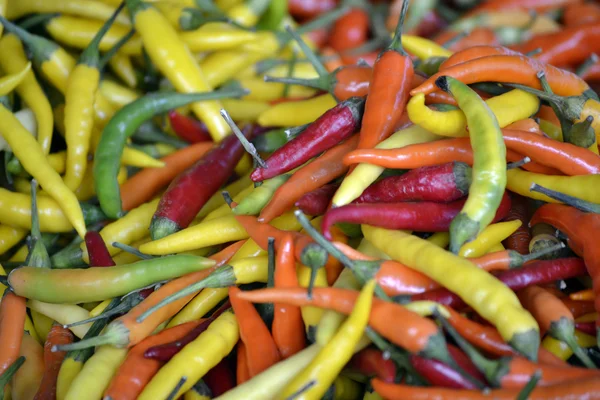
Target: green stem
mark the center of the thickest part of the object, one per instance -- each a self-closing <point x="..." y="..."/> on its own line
<point x="132" y="250"/>
<point x="303" y="389"/>
<point x="117" y="307"/>
<point x="9" y="373"/>
<point x="91" y="54"/>
<point x="176" y="389"/>
<point x="41" y="48"/>
<point x="530" y="386"/>
<point x="227" y="197"/>
<point x="534" y="52"/>
<point x="208" y="6"/>
<point x="450" y="42"/>
<point x="322" y="20"/>
<point x="38" y="254"/>
<point x="290" y="73"/>
<point x="114" y="49"/>
<point x="36" y="20"/>
<point x="271" y="262"/>
<point x="582" y="133"/>
<point x="36" y="234"/>
<point x="249" y="147"/>
<point x="580" y="204"/>
<point x="564" y="330"/>
<point x="116" y="334"/>
<point x="518" y="164"/>
<point x="315" y="257"/>
<point x="589" y="62"/>
<point x="223" y="276"/>
<point x="522" y="259"/>
<point x="316" y="83"/>
<point x="310" y="55"/>
<point x="396" y="43"/>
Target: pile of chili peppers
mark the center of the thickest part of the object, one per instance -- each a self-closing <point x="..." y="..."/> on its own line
<point x="293" y="199"/>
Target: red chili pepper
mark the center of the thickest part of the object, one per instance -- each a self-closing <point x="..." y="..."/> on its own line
<point x="99" y="255"/>
<point x="519" y="240"/>
<point x="439" y="374"/>
<point x="371" y="362"/>
<point x="538" y="5"/>
<point x="165" y="352"/>
<point x="537" y="273"/>
<point x="370" y="58"/>
<point x="438" y="183"/>
<point x="388" y="90"/>
<point x="186" y="195"/>
<point x="220" y="378"/>
<point x="189" y="129"/>
<point x="569" y="46"/>
<point x="241" y="367"/>
<point x="316" y="202"/>
<point x="310" y="8"/>
<point x="350" y="31"/>
<point x="475" y="52"/>
<point x="581" y="13"/>
<point x="586" y="327"/>
<point x="416" y="216"/>
<point x="52" y="361"/>
<point x="327" y="131"/>
<point x="319" y="37"/>
<point x="480" y="36"/>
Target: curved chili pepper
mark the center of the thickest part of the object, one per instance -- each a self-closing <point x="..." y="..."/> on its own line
<point x="190" y="190"/>
<point x="536" y="273"/>
<point x="437" y="183"/>
<point x="188" y="128"/>
<point x="439" y="374"/>
<point x="220" y="378"/>
<point x="475" y="52"/>
<point x="417" y="216"/>
<point x="350" y="31"/>
<point x="98" y="253"/>
<point x="519" y="240"/>
<point x="334" y="126"/>
<point x="317" y="201"/>
<point x="371" y="362"/>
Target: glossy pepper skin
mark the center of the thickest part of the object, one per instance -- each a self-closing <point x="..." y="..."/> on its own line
<point x="331" y="128"/>
<point x="187" y="193"/>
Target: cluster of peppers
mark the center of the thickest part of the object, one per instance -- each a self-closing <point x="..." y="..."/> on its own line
<point x="296" y="199"/>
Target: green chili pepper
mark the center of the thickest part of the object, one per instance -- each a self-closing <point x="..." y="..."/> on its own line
<point x="260" y="196"/>
<point x="489" y="164"/>
<point x="274" y="16"/>
<point x="98" y="283"/>
<point x="431" y="66"/>
<point x="276" y="138"/>
<point x="582" y="134"/>
<point x="122" y="126"/>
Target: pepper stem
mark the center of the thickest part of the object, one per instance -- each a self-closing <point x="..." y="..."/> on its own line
<point x="290" y="72"/>
<point x="322" y="20"/>
<point x="396" y="44"/>
<point x="270" y="262"/>
<point x="315" y="257"/>
<point x="227" y="198"/>
<point x="36" y="20"/>
<point x="316" y="83"/>
<point x="91" y="54"/>
<point x="564" y="330"/>
<point x="310" y="55"/>
<point x="587" y="64"/>
<point x="114" y="307"/>
<point x="582" y="133"/>
<point x="40" y="47"/>
<point x="36" y="234"/>
<point x="116" y="334"/>
<point x="518" y="164"/>
<point x="538" y="254"/>
<point x="223" y="276"/>
<point x="113" y="50"/>
<point x="530" y="386"/>
<point x="38" y="254"/>
<point x="9" y="373"/>
<point x="249" y="147"/>
<point x="132" y="250"/>
<point x="173" y="394"/>
<point x="580" y="204"/>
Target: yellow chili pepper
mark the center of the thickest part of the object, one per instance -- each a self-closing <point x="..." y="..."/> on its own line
<point x="440" y="239"/>
<point x="591" y="317"/>
<point x="96" y="374"/>
<point x="423" y="48"/>
<point x="311" y="315"/>
<point x="29" y="328"/>
<point x="325" y="367"/>
<point x="19" y="256"/>
<point x="508" y="107"/>
<point x="489" y="237"/>
<point x="2" y="286"/>
<point x="345" y="388"/>
<point x="562" y="350"/>
<point x="365" y="174"/>
<point x="87" y="189"/>
<point x="516" y="18"/>
<point x="217" y="200"/>
<point x="269" y="91"/>
<point x="174" y="60"/>
<point x="100" y="308"/>
<point x="10" y="236"/>
<point x="41" y="324"/>
<point x="216" y="36"/>
<point x="495" y="248"/>
<point x="125" y="257"/>
<point x="216" y="231"/>
<point x="245" y="110"/>
<point x="12" y="59"/>
<point x="3" y="4"/>
<point x="487" y="295"/>
<point x="78" y="32"/>
<point x="195" y="359"/>
<point x="248" y="249"/>
<point x="63" y="314"/>
<point x="226" y="5"/>
<point x="220" y="66"/>
<point x="581" y="186"/>
<point x="199" y="306"/>
<point x="551" y="130"/>
<point x="198" y="392"/>
<point x="133" y="226"/>
<point x="224" y="209"/>
<point x="9" y="82"/>
<point x="172" y="11"/>
<point x="33" y="159"/>
<point x="248" y="13"/>
<point x="294" y="113"/>
<point x="122" y="67"/>
<point x="83" y="8"/>
<point x="28" y="378"/>
<point x="117" y="94"/>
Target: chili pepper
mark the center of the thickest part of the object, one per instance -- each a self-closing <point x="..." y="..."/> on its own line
<point x="9" y="237"/>
<point x="196" y="358"/>
<point x="387" y="98"/>
<point x="312" y="176"/>
<point x="505" y="68"/>
<point x="423" y="48"/>
<point x="166" y="350"/>
<point x="317" y="201"/>
<point x="98" y="253"/>
<point x="502" y="259"/>
<point x="553" y="317"/>
<point x="331" y="359"/>
<point x="80" y="8"/>
<point x="536" y="273"/>
<point x="522" y="330"/>
<point x="586" y="327"/>
<point x="293" y="113"/>
<point x="454" y="123"/>
<point x="173" y="59"/>
<point x="439" y="374"/>
<point x="364" y="175"/>
<point x="136" y="371"/>
<point x="519" y="240"/>
<point x="215" y="36"/>
<point x="350" y="31"/>
<point x="72" y="286"/>
<point x="582" y="134"/>
<point x="122" y="67"/>
<point x="308" y="9"/>
<point x="12" y="320"/>
<point x="287" y="327"/>
<point x="220" y="378"/>
<point x="118" y="95"/>
<point x="422" y="216"/>
<point x="28" y="378"/>
<point x="492" y="235"/>
<point x="122" y="126"/>
<point x="564" y="352"/>
<point x="371" y="362"/>
<point x="489" y="172"/>
<point x="242" y="374"/>
<point x="187" y="128"/>
<point x="7" y="376"/>
<point x="260" y="196"/>
<point x="52" y="361"/>
<point x="149" y="133"/>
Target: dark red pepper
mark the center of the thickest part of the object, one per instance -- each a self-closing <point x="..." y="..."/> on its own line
<point x="438" y="183"/>
<point x="370" y="362"/>
<point x="331" y="128"/>
<point x="537" y="273"/>
<point x="220" y="378"/>
<point x="416" y="216"/>
<point x="187" y="193"/>
<point x="165" y="352"/>
<point x="310" y="8"/>
<point x="439" y="374"/>
<point x="519" y="240"/>
<point x="189" y="129"/>
<point x="586" y="327"/>
<point x="97" y="251"/>
<point x="316" y="202"/>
